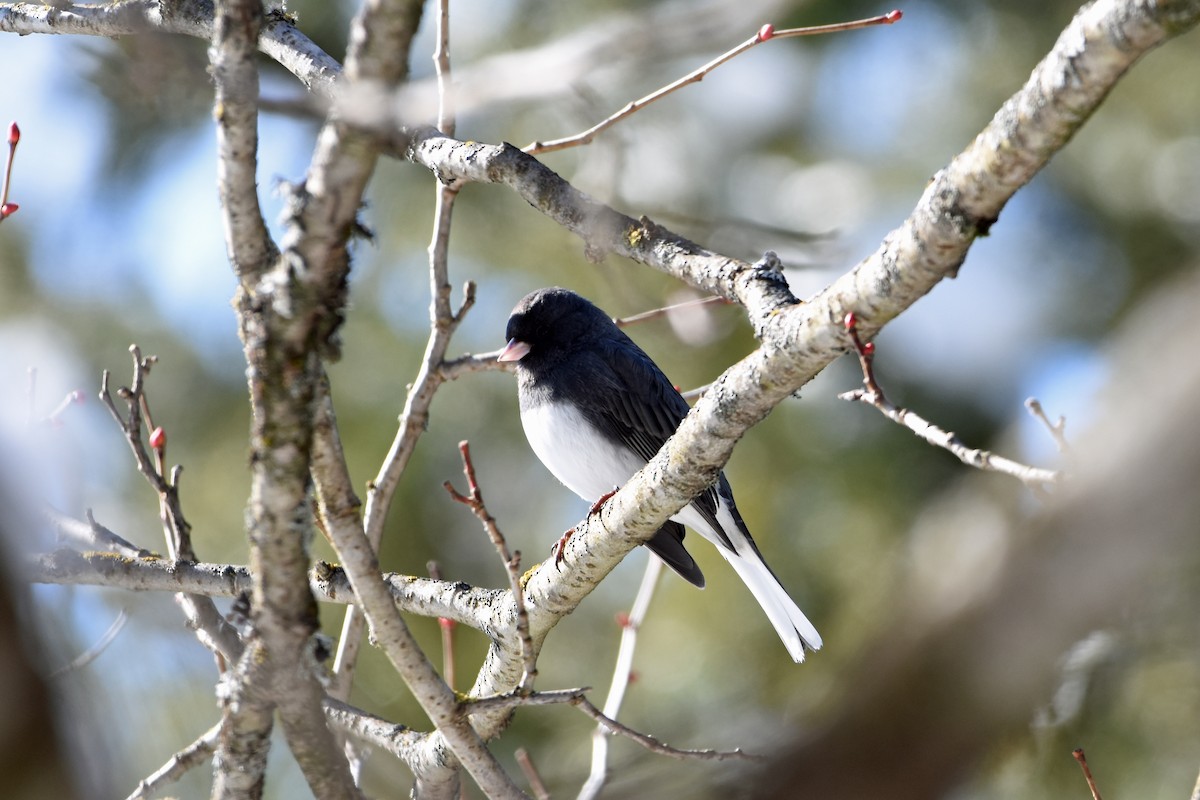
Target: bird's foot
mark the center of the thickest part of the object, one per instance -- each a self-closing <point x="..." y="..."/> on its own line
<point x="599" y="504"/>
<point x="559" y="548"/>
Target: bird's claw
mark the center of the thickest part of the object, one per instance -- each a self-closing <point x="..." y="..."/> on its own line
<point x="599" y="504"/>
<point x="559" y="548"/>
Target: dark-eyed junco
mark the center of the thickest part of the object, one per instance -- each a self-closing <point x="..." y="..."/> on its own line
<point x="596" y="408"/>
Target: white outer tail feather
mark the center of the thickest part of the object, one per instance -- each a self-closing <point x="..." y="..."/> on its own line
<point x="789" y="621"/>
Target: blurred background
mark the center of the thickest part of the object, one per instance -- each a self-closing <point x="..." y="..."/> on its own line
<point x="814" y="148"/>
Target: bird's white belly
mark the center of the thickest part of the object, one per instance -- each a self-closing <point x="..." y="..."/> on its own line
<point x="576" y="453"/>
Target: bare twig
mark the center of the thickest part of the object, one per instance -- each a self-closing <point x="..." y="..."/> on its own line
<point x="211" y="628"/>
<point x="655" y="313"/>
<point x="55" y="417"/>
<point x="654" y="745"/>
<point x="176" y="528"/>
<point x="765" y="33"/>
<point x="531" y="774"/>
<point x="196" y="754"/>
<point x="92" y="535"/>
<point x="512" y="563"/>
<point x="92" y="653"/>
<point x="456" y="368"/>
<point x="443" y="321"/>
<point x="7" y="209"/>
<point x="1057" y="428"/>
<point x="447" y="626"/>
<point x="578" y="698"/>
<point x="441" y="65"/>
<point x="872" y="395"/>
<point x="1087" y="772"/>
<point x="620" y="679"/>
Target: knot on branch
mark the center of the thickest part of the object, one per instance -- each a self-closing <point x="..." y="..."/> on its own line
<point x="765" y="291"/>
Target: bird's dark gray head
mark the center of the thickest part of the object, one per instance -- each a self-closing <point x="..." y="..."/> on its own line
<point x="550" y="323"/>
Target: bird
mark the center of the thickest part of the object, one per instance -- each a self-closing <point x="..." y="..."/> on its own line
<point x="595" y="409"/>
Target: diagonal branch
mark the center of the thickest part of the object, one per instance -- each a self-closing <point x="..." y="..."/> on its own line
<point x="766" y="33"/>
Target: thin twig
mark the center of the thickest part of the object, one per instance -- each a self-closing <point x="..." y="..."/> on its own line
<point x="455" y="368"/>
<point x="7" y="209"/>
<point x="871" y="394"/>
<point x="194" y="755"/>
<point x="54" y="418"/>
<point x="92" y="535"/>
<point x="211" y="628"/>
<point x="654" y="745"/>
<point x="512" y="563"/>
<point x="645" y="316"/>
<point x="92" y="653"/>
<point x="447" y="626"/>
<point x="620" y="679"/>
<point x="441" y="63"/>
<point x="1057" y="428"/>
<point x="531" y="774"/>
<point x="1087" y="773"/>
<point x="443" y="321"/>
<point x="578" y="698"/>
<point x="176" y="528"/>
<point x="765" y="33"/>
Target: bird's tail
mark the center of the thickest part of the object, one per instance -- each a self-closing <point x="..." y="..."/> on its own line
<point x="790" y="623"/>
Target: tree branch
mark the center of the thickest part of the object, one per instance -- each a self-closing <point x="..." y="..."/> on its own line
<point x="280" y="39"/>
<point x="235" y="108"/>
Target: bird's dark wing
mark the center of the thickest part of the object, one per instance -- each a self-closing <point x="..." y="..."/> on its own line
<point x="667" y="544"/>
<point x="628" y="398"/>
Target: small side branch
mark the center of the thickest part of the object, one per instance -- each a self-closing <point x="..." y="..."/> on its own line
<point x="578" y="698"/>
<point x="622" y="673"/>
<point x="1087" y="772"/>
<point x="765" y="33"/>
<point x="1057" y="428"/>
<point x="7" y="209"/>
<point x="512" y="563"/>
<point x="871" y="394"/>
<point x="196" y="754"/>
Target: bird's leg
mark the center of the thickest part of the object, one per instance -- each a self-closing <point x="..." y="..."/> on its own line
<point x="559" y="547"/>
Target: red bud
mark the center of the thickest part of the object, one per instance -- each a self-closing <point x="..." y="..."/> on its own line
<point x="14" y="134"/>
<point x="622" y="619"/>
<point x="158" y="438"/>
<point x="8" y="209"/>
<point x="869" y="349"/>
<point x="851" y="321"/>
<point x="447" y="624"/>
<point x="633" y="677"/>
<point x="893" y="16"/>
<point x="766" y="32"/>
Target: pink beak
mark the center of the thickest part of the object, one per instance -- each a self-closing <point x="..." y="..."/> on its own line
<point x="515" y="350"/>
